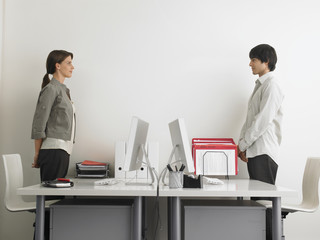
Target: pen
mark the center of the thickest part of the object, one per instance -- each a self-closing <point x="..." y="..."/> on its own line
<point x="176" y="168"/>
<point x="169" y="168"/>
<point x="181" y="168"/>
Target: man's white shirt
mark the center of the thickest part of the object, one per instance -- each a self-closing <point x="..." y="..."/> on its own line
<point x="261" y="132"/>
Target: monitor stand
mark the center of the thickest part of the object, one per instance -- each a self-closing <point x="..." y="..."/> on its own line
<point x="151" y="170"/>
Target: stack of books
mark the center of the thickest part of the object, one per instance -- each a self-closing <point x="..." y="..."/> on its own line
<point x="92" y="169"/>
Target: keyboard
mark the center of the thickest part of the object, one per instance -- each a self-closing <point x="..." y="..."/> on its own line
<point x="106" y="181"/>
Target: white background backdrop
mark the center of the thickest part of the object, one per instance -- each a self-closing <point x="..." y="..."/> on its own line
<point x="160" y="60"/>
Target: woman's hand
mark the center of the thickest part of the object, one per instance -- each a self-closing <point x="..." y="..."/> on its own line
<point x="37" y="146"/>
<point x="35" y="162"/>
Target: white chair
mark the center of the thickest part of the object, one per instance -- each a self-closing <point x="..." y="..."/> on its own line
<point x="14" y="180"/>
<point x="310" y="195"/>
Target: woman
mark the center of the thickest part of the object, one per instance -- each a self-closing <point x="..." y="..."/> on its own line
<point x="53" y="127"/>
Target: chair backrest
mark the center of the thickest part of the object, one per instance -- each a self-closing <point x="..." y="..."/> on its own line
<point x="310" y="184"/>
<point x="14" y="180"/>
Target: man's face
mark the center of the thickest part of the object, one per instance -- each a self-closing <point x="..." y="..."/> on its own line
<point x="258" y="67"/>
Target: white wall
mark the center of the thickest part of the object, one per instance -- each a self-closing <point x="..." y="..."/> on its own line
<point x="160" y="60"/>
<point x="1" y="115"/>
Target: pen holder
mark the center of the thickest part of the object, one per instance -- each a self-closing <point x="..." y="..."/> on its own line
<point x="175" y="179"/>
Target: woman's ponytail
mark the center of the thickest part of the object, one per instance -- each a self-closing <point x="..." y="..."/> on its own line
<point x="45" y="80"/>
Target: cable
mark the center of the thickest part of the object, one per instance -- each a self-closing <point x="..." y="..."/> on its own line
<point x="157" y="203"/>
<point x="157" y="207"/>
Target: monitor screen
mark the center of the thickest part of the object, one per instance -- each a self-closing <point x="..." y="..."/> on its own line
<point x="180" y="142"/>
<point x="137" y="140"/>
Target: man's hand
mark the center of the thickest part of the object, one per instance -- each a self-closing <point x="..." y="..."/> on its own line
<point x="242" y="155"/>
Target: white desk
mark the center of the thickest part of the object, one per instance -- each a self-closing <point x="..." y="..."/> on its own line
<point x="230" y="188"/>
<point x="86" y="187"/>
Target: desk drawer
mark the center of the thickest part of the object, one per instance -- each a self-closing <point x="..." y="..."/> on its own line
<point x="209" y="219"/>
<point x="91" y="219"/>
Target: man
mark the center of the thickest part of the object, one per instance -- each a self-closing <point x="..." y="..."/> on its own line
<point x="260" y="136"/>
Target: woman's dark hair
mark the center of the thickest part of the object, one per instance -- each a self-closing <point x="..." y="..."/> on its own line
<point x="56" y="56"/>
<point x="266" y="54"/>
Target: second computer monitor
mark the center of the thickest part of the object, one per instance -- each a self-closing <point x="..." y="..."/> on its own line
<point x="135" y="146"/>
<point x="180" y="143"/>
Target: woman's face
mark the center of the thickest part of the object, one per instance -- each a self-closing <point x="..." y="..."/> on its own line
<point x="65" y="68"/>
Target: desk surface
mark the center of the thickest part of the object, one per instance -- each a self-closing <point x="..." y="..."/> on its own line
<point x="230" y="188"/>
<point x="86" y="187"/>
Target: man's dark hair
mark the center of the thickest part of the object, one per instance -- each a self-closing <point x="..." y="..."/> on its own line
<point x="266" y="54"/>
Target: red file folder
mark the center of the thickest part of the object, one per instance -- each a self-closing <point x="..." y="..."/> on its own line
<point x="215" y="156"/>
<point x="93" y="163"/>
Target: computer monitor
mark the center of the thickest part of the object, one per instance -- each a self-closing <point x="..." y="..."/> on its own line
<point x="135" y="147"/>
<point x="180" y="142"/>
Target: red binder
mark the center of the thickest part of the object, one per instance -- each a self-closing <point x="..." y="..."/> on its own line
<point x="215" y="156"/>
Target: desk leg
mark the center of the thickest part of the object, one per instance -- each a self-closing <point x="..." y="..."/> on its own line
<point x="169" y="218"/>
<point x="137" y="218"/>
<point x="276" y="218"/>
<point x="174" y="218"/>
<point x="40" y="211"/>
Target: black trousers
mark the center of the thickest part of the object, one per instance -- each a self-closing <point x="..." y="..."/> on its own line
<point x="264" y="169"/>
<point x="54" y="163"/>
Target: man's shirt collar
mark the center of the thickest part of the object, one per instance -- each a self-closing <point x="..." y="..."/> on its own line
<point x="264" y="77"/>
